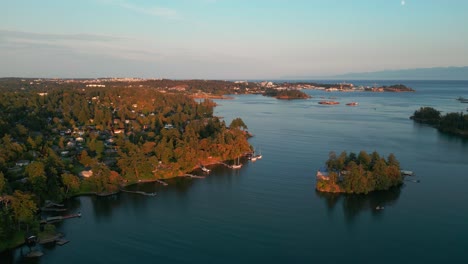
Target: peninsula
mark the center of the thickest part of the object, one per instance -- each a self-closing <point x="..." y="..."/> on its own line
<point x="451" y="123"/>
<point x="358" y="174"/>
<point x="61" y="139"/>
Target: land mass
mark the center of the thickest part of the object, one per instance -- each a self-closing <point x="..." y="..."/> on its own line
<point x="436" y="73"/>
<point x="61" y="139"/>
<point x="359" y="174"/>
<point x="451" y="123"/>
<point x="286" y="94"/>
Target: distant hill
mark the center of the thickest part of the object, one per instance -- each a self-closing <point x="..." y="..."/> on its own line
<point x="437" y="73"/>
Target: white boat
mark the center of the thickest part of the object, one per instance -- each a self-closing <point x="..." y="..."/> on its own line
<point x="379" y="208"/>
<point x="407" y="173"/>
<point x="259" y="156"/>
<point x="238" y="165"/>
<point x="204" y="169"/>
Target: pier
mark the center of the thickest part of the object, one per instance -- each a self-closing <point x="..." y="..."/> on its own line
<point x="162" y="182"/>
<point x="227" y="165"/>
<point x="53" y="219"/>
<point x="195" y="176"/>
<point x="139" y="192"/>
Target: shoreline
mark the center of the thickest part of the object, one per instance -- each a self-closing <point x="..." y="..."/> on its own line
<point x="213" y="161"/>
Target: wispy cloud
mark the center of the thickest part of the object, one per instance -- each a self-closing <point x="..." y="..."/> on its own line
<point x="154" y="10"/>
<point x="20" y="42"/>
<point x="50" y="36"/>
<point x="158" y="11"/>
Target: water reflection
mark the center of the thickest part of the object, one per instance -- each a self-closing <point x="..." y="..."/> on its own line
<point x="353" y="204"/>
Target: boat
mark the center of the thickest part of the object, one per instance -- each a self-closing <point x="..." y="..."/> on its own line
<point x="379" y="207"/>
<point x="407" y="173"/>
<point x="462" y="100"/>
<point x="204" y="169"/>
<point x="329" y="102"/>
<point x="352" y="104"/>
<point x="238" y="165"/>
<point x="259" y="156"/>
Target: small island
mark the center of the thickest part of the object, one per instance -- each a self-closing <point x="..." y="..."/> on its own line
<point x="451" y="123"/>
<point x="286" y="94"/>
<point x="396" y="88"/>
<point x="359" y="174"/>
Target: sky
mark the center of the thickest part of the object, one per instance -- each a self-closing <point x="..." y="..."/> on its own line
<point x="228" y="39"/>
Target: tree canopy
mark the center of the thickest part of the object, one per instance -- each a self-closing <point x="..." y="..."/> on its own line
<point x="362" y="173"/>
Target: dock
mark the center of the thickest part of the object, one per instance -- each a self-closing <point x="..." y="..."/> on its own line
<point x="407" y="173"/>
<point x="195" y="176"/>
<point x="48" y="209"/>
<point x="61" y="241"/>
<point x="34" y="254"/>
<point x="54" y="219"/>
<point x="411" y="180"/>
<point x="139" y="192"/>
<point x="162" y="182"/>
<point x="227" y="165"/>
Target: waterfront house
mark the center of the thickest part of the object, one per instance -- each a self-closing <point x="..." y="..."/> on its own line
<point x="86" y="173"/>
<point x="22" y="163"/>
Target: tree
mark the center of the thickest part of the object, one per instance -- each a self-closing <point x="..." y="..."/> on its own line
<point x="364" y="159"/>
<point x="84" y="159"/>
<point x="37" y="177"/>
<point x="3" y="183"/>
<point x="238" y="123"/>
<point x="71" y="183"/>
<point x="392" y="161"/>
<point x="24" y="208"/>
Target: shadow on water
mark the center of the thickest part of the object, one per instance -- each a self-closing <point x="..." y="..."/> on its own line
<point x="354" y="204"/>
<point x="447" y="137"/>
<point x="103" y="206"/>
<point x="443" y="136"/>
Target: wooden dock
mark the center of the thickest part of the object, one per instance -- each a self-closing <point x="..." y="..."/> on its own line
<point x="34" y="254"/>
<point x="227" y="165"/>
<point x="61" y="241"/>
<point x="139" y="192"/>
<point x="195" y="176"/>
<point x="162" y="182"/>
<point x="47" y="209"/>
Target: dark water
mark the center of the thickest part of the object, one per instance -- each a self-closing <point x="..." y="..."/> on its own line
<point x="268" y="211"/>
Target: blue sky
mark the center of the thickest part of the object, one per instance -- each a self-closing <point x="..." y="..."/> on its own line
<point x="228" y="39"/>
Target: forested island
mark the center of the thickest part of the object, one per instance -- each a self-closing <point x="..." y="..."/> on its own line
<point x="59" y="141"/>
<point x="452" y="123"/>
<point x="286" y="94"/>
<point x="396" y="88"/>
<point x="359" y="174"/>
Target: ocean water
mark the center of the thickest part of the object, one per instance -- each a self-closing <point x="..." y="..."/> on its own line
<point x="269" y="211"/>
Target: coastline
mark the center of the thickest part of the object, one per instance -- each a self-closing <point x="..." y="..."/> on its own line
<point x="336" y="189"/>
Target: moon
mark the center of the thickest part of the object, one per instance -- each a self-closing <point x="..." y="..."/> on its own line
<point x="403" y="2"/>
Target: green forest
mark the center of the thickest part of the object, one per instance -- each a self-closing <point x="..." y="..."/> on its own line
<point x="58" y="142"/>
<point x="452" y="123"/>
<point x="360" y="174"/>
<point x="286" y="94"/>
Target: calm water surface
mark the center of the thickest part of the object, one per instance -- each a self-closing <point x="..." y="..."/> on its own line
<point x="270" y="211"/>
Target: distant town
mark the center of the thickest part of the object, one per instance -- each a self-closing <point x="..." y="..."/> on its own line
<point x="215" y="89"/>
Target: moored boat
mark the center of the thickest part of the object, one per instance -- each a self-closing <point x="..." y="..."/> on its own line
<point x="329" y="102"/>
<point x="352" y="104"/>
<point x="238" y="165"/>
<point x="407" y="173"/>
<point x="204" y="169"/>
